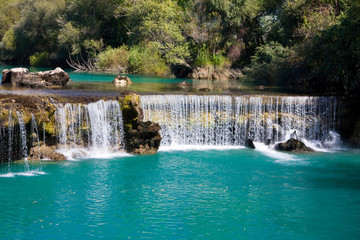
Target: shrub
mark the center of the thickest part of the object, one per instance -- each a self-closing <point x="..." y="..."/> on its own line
<point x="113" y="59"/>
<point x="218" y="60"/>
<point x="270" y="64"/>
<point x="40" y="59"/>
<point x="146" y="59"/>
<point x="202" y="58"/>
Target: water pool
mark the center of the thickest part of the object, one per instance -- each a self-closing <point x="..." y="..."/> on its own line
<point x="208" y="194"/>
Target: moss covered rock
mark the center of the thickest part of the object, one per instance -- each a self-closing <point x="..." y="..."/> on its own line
<point x="140" y="137"/>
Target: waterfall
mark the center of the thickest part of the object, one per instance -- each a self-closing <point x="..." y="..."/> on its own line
<point x="10" y="137"/>
<point x="24" y="149"/>
<point x="97" y="126"/>
<point x="229" y="121"/>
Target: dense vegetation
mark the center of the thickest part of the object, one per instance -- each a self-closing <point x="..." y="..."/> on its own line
<point x="301" y="43"/>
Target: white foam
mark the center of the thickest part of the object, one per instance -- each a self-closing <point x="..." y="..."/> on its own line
<point x="197" y="148"/>
<point x="26" y="174"/>
<point x="74" y="154"/>
<point x="280" y="157"/>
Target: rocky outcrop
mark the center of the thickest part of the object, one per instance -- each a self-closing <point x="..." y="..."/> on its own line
<point x="293" y="145"/>
<point x="121" y="81"/>
<point x="144" y="139"/>
<point x="140" y="137"/>
<point x="212" y="73"/>
<point x="22" y="77"/>
<point x="45" y="152"/>
<point x="10" y="76"/>
<point x="249" y="144"/>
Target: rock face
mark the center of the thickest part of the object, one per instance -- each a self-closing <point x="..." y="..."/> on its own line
<point x="140" y="137"/>
<point x="121" y="81"/>
<point x="211" y="73"/>
<point x="293" y="145"/>
<point x="22" y="77"/>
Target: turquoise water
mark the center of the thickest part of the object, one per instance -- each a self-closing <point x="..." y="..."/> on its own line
<point x="102" y="82"/>
<point x="229" y="194"/>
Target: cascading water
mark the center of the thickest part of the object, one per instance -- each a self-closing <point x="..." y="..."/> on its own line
<point x="35" y="138"/>
<point x="97" y="126"/>
<point x="24" y="149"/>
<point x="229" y="121"/>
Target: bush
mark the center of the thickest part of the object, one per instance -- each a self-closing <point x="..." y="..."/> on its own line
<point x="113" y="59"/>
<point x="270" y="64"/>
<point x="202" y="58"/>
<point x="146" y="59"/>
<point x="218" y="60"/>
<point x="40" y="59"/>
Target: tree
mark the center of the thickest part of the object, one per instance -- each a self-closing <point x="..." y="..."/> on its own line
<point x="157" y="21"/>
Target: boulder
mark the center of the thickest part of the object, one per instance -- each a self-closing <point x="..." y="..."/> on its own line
<point x="293" y="145"/>
<point x="45" y="152"/>
<point x="140" y="137"/>
<point x="54" y="77"/>
<point x="184" y="84"/>
<point x="145" y="139"/>
<point x="131" y="111"/>
<point x="13" y="75"/>
<point x="249" y="143"/>
<point x="121" y="81"/>
<point x="22" y="77"/>
<point x="204" y="90"/>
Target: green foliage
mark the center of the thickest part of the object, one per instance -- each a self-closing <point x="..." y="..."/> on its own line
<point x="335" y="55"/>
<point x="157" y="21"/>
<point x="8" y="41"/>
<point x="9" y="15"/>
<point x="276" y="41"/>
<point x="113" y="59"/>
<point x="203" y="58"/>
<point x="70" y="38"/>
<point x="146" y="59"/>
<point x="269" y="63"/>
<point x="39" y="59"/>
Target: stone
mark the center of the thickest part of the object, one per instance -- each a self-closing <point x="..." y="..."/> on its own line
<point x="22" y="77"/>
<point x="122" y="81"/>
<point x="293" y="145"/>
<point x="54" y="77"/>
<point x="140" y="137"/>
<point x="145" y="139"/>
<point x="13" y="75"/>
<point x="204" y="90"/>
<point x="184" y="84"/>
<point x="131" y="110"/>
<point x="45" y="152"/>
<point x="249" y="143"/>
